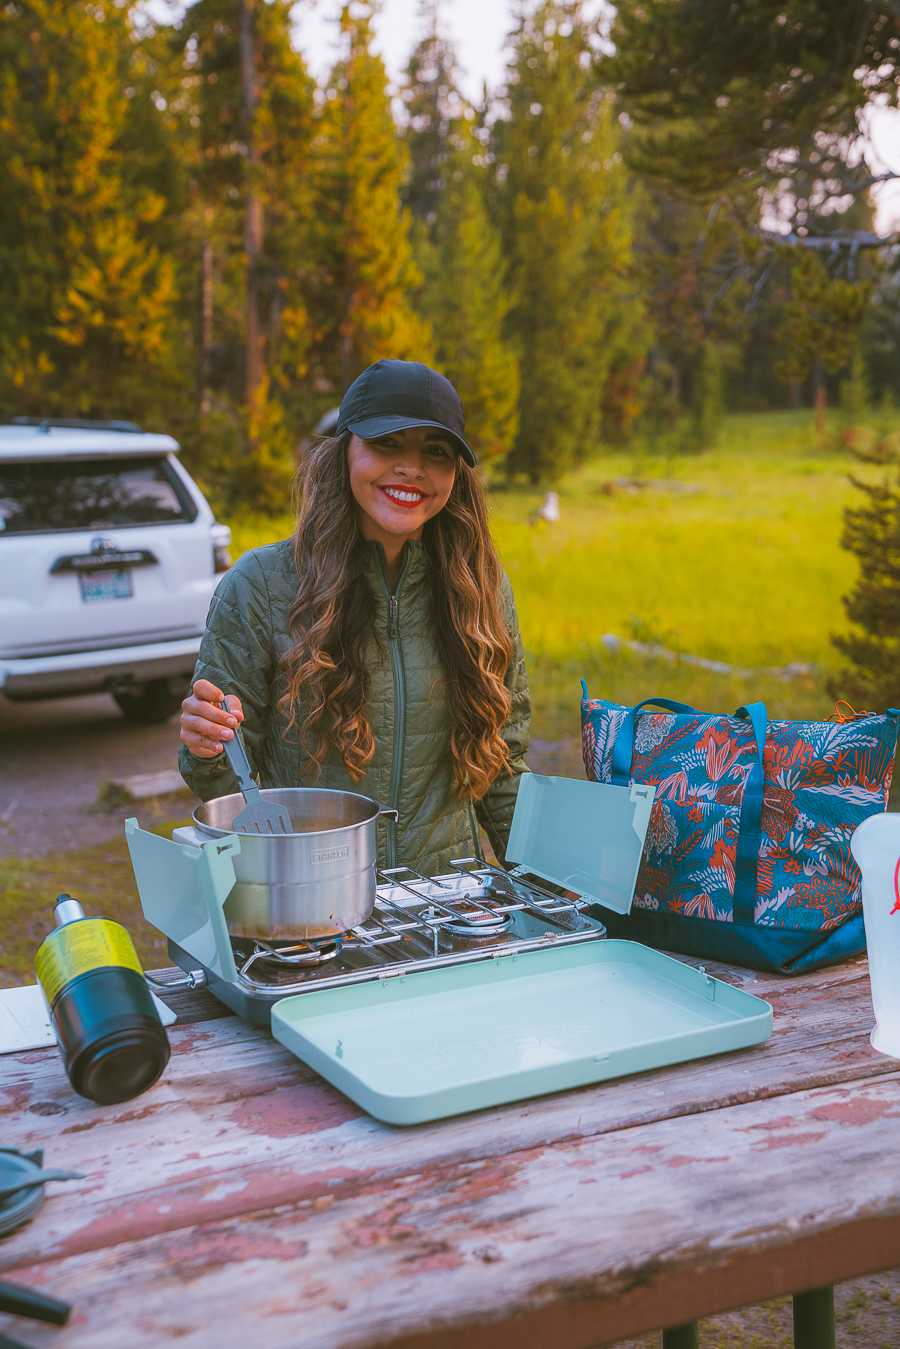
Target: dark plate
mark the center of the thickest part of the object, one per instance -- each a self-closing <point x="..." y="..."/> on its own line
<point x="19" y="1207"/>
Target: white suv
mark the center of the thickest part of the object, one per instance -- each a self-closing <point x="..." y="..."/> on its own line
<point x="109" y="555"/>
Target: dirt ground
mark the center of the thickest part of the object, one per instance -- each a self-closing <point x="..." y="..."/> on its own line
<point x="54" y="758"/>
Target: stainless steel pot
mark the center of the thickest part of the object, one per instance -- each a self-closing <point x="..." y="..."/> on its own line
<point x="318" y="881"/>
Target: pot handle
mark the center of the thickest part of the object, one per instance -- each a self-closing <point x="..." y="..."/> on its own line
<point x="389" y="810"/>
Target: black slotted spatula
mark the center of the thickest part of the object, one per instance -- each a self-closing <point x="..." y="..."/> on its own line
<point x="258" y="816"/>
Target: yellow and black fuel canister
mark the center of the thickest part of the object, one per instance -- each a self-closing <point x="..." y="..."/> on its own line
<point x="112" y="1041"/>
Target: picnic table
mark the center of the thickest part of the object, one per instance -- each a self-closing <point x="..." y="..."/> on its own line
<point x="244" y="1201"/>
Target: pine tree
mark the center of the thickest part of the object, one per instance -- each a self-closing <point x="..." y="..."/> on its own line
<point x="622" y="308"/>
<point x="738" y="97"/>
<point x="761" y="108"/>
<point x="464" y="298"/>
<point x="709" y="403"/>
<point x="435" y="112"/>
<point x="683" y="262"/>
<point x="872" y="535"/>
<point x="822" y="319"/>
<point x="243" y="108"/>
<point x="458" y="249"/>
<point x="853" y="404"/>
<point x="86" y="324"/>
<point x="567" y="235"/>
<point x="358" y="300"/>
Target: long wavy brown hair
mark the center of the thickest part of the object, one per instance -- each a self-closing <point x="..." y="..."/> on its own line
<point x="332" y="621"/>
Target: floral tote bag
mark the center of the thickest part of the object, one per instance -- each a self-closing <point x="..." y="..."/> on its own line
<point x="747" y="857"/>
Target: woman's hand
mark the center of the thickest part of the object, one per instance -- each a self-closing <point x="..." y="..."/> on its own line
<point x="204" y="723"/>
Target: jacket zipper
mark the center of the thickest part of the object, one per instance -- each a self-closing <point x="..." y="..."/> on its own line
<point x="399" y="697"/>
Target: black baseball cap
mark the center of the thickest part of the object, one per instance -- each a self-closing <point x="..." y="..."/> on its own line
<point x="395" y="395"/>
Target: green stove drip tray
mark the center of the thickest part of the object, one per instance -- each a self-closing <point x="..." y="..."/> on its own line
<point x="415" y="1047"/>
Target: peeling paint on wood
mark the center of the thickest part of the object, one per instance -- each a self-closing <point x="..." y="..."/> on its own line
<point x="244" y="1192"/>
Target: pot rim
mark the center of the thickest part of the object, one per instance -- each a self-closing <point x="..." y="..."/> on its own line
<point x="273" y="793"/>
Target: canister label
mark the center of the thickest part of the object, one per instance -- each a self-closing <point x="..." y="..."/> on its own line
<point x="79" y="947"/>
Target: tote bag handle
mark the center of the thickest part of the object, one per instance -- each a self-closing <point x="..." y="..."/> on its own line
<point x="750" y="827"/>
<point x="624" y="746"/>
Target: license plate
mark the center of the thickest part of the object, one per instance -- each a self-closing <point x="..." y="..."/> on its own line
<point x="106" y="585"/>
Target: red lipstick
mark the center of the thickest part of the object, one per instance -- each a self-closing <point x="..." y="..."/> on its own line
<point x="389" y="487"/>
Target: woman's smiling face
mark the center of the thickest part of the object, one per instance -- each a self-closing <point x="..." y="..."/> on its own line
<point x="399" y="481"/>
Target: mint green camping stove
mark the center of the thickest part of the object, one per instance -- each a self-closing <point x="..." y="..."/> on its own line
<point x="469" y="989"/>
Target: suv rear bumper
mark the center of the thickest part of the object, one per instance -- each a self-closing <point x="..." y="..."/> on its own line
<point x="95" y="671"/>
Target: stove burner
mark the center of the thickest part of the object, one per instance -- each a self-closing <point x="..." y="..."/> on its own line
<point x="303" y="953"/>
<point x="466" y="903"/>
<point x="287" y="955"/>
<point x="476" y="921"/>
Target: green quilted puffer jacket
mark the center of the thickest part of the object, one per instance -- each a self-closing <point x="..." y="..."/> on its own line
<point x="241" y="652"/>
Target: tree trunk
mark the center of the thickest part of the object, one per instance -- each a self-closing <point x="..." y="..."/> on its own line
<point x="821" y="396"/>
<point x="674" y="395"/>
<point x="206" y="344"/>
<point x="347" y="370"/>
<point x="253" y="223"/>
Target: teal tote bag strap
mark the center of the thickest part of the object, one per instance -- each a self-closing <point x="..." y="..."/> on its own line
<point x="624" y="746"/>
<point x="750" y="828"/>
<point x="750" y="825"/>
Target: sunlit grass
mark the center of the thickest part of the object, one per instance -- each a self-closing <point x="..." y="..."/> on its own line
<point x="748" y="569"/>
<point x="740" y="562"/>
<point x="252" y="531"/>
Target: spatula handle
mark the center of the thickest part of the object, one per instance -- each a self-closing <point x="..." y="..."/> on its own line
<point x="238" y="761"/>
<point x="37" y="1178"/>
<point x="16" y="1300"/>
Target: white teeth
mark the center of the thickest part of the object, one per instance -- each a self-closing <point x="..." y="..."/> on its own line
<point x="402" y="496"/>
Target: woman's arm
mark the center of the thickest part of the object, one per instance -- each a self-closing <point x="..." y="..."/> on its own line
<point x="495" y="809"/>
<point x="236" y="656"/>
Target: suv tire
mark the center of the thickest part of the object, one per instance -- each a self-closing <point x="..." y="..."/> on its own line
<point x="157" y="700"/>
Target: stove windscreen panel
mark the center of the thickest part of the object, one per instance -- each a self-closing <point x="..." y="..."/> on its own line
<point x="585" y="836"/>
<point x="182" y="891"/>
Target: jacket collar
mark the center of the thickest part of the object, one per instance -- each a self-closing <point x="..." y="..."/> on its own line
<point x="416" y="566"/>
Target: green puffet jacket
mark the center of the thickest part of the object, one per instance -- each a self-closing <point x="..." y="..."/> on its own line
<point x="241" y="652"/>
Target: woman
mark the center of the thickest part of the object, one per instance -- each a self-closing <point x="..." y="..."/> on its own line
<point x="378" y="650"/>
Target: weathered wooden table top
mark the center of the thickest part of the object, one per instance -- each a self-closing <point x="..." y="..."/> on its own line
<point x="244" y="1201"/>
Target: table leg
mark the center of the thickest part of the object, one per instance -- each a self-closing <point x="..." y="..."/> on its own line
<point x="814" y="1319"/>
<point x="686" y="1336"/>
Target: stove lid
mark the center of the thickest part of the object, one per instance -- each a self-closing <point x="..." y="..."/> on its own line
<point x="586" y="836"/>
<point x="426" y="1044"/>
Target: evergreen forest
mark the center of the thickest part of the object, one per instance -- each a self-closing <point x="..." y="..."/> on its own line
<point x="661" y="215"/>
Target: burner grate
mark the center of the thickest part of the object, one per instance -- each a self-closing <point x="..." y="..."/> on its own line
<point x="417" y="921"/>
<point x="293" y="955"/>
<point x="473" y="903"/>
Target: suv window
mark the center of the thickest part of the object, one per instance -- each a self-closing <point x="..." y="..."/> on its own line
<point x="108" y="493"/>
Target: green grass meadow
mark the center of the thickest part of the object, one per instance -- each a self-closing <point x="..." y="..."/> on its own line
<point x="733" y="555"/>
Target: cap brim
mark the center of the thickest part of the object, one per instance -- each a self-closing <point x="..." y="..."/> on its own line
<point x="383" y="426"/>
